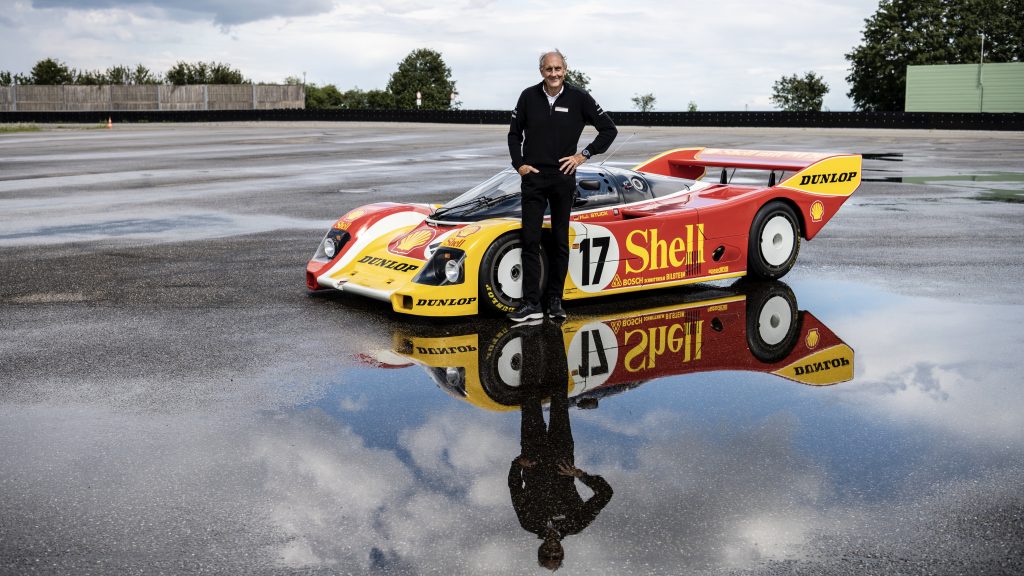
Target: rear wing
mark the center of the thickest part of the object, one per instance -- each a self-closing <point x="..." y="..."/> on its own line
<point x="813" y="172"/>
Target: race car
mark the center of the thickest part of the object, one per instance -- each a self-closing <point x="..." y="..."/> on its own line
<point x="750" y="326"/>
<point x="681" y="217"/>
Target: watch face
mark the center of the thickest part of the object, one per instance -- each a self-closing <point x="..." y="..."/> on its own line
<point x="586" y="153"/>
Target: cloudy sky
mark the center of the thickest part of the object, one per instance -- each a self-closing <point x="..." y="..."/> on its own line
<point x="722" y="55"/>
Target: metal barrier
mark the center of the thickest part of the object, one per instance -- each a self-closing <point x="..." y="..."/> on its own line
<point x="899" y="120"/>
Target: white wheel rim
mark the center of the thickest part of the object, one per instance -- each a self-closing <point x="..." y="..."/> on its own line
<point x="777" y="241"/>
<point x="774" y="321"/>
<point x="510" y="273"/>
<point x="510" y="362"/>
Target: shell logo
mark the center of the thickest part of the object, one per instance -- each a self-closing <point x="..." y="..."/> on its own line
<point x="812" y="338"/>
<point x="345" y="220"/>
<point x="817" y="211"/>
<point x="414" y="239"/>
<point x="467" y="231"/>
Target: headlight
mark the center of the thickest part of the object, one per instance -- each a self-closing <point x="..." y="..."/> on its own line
<point x="331" y="245"/>
<point x="452" y="271"/>
<point x="444" y="267"/>
<point x="455" y="377"/>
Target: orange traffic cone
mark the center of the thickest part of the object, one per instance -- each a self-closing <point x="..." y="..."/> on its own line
<point x="110" y="123"/>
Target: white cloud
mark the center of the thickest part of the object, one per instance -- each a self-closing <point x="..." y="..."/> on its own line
<point x="678" y="52"/>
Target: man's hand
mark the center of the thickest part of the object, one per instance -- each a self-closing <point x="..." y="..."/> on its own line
<point x="569" y="163"/>
<point x="524" y="461"/>
<point x="527" y="169"/>
<point x="566" y="469"/>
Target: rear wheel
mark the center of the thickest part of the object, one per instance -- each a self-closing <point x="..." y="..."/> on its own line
<point x="774" y="241"/>
<point x="501" y="275"/>
<point x="773" y="321"/>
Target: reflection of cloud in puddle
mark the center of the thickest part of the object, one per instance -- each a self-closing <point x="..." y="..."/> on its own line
<point x="691" y="501"/>
<point x="302" y="491"/>
<point x="453" y="451"/>
<point x="940" y="365"/>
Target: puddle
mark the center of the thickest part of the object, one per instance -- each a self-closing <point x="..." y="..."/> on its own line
<point x="988" y="186"/>
<point x="714" y="430"/>
<point x="157" y="229"/>
<point x="721" y="427"/>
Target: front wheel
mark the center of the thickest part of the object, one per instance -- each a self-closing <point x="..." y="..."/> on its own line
<point x="501" y="275"/>
<point x="774" y="241"/>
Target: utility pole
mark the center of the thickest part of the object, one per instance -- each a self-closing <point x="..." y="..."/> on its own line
<point x="981" y="79"/>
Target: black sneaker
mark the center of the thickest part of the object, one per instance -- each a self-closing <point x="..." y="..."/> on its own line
<point x="526" y="311"/>
<point x="555" y="310"/>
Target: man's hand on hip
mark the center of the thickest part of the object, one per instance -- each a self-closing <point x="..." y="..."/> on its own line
<point x="527" y="169"/>
<point x="569" y="163"/>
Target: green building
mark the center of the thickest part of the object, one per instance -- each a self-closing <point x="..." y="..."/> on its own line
<point x="966" y="88"/>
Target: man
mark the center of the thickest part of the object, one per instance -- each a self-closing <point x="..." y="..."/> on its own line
<point x="542" y="139"/>
<point x="542" y="479"/>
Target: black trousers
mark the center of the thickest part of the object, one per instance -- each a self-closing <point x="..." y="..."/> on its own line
<point x="545" y="374"/>
<point x="540" y="191"/>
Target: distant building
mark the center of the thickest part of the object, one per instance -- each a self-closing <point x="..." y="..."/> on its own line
<point x="966" y="88"/>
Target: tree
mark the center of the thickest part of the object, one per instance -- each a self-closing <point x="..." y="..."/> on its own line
<point x="795" y="94"/>
<point x="422" y="71"/>
<point x="6" y="79"/>
<point x="915" y="32"/>
<point x="142" y="75"/>
<point x="380" y="100"/>
<point x="204" y="73"/>
<point x="119" y="75"/>
<point x="577" y="78"/>
<point x="224" y="74"/>
<point x="90" y="78"/>
<point x="51" y="72"/>
<point x="320" y="97"/>
<point x="644" y="102"/>
<point x="691" y="107"/>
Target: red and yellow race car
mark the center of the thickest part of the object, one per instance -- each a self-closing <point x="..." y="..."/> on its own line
<point x="749" y="327"/>
<point x="686" y="215"/>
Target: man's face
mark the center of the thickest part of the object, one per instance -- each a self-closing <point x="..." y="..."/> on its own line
<point x="553" y="71"/>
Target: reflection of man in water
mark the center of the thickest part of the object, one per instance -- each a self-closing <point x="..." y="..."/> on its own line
<point x="542" y="480"/>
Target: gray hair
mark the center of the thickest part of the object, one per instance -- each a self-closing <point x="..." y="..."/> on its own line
<point x="556" y="52"/>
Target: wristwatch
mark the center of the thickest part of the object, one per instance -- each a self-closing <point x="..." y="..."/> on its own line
<point x="586" y="153"/>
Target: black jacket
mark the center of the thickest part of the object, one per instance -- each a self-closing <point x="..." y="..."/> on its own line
<point x="542" y="495"/>
<point x="540" y="134"/>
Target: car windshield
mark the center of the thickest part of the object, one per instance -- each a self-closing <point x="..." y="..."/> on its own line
<point x="497" y="196"/>
<point x="659" y="185"/>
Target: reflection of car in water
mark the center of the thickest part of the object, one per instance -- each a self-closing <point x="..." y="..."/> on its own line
<point x="748" y="326"/>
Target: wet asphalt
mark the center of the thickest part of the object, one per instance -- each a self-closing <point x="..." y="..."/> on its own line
<point x="172" y="400"/>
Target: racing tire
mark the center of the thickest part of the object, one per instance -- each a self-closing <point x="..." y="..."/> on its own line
<point x="774" y="241"/>
<point x="773" y="321"/>
<point x="501" y="275"/>
<point x="501" y="367"/>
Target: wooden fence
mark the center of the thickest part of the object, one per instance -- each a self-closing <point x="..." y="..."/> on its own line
<point x="33" y="98"/>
